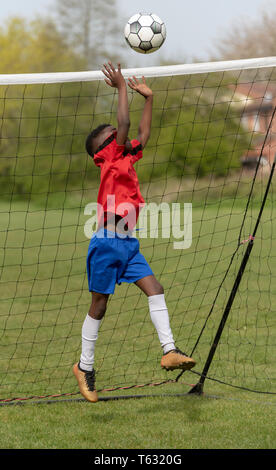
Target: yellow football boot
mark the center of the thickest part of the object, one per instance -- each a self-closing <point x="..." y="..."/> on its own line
<point x="86" y="381"/>
<point x="176" y="359"/>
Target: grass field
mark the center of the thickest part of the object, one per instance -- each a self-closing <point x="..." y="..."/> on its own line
<point x="160" y="423"/>
<point x="44" y="299"/>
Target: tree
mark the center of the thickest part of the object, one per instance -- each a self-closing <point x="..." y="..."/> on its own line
<point x="36" y="46"/>
<point x="250" y="39"/>
<point x="91" y="28"/>
<point x="34" y="116"/>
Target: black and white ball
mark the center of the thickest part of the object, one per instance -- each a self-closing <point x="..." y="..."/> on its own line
<point x="145" y="33"/>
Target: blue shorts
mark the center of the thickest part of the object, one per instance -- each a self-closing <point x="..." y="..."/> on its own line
<point x="112" y="260"/>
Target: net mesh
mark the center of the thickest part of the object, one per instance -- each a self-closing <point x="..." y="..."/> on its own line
<point x="209" y="131"/>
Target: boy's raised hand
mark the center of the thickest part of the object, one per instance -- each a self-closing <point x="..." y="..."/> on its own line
<point x="114" y="77"/>
<point x="140" y="87"/>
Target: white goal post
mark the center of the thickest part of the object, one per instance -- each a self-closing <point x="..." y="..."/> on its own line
<point x="158" y="71"/>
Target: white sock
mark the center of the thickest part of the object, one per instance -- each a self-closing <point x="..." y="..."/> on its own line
<point x="160" y="318"/>
<point x="89" y="336"/>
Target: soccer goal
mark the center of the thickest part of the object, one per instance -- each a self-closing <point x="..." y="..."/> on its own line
<point x="208" y="230"/>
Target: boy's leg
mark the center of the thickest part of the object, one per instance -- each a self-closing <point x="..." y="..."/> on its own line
<point x="158" y="310"/>
<point x="90" y="329"/>
<point x="172" y="358"/>
<point x="84" y="370"/>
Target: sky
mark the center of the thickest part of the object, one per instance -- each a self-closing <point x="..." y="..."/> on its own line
<point x="193" y="27"/>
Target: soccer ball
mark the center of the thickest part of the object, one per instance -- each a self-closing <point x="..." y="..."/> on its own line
<point x="145" y="33"/>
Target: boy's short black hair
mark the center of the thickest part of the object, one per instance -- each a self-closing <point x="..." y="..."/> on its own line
<point x="91" y="136"/>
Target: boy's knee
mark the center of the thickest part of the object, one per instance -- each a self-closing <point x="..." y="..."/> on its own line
<point x="98" y="312"/>
<point x="160" y="289"/>
<point x="98" y="307"/>
<point x="157" y="288"/>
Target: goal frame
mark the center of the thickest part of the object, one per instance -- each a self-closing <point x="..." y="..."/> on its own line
<point x="166" y="71"/>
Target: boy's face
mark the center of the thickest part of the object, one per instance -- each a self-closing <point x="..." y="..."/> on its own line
<point x="106" y="132"/>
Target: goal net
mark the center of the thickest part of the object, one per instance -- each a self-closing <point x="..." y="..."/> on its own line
<point x="203" y="176"/>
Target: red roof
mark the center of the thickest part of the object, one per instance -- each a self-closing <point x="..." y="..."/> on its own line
<point x="256" y="90"/>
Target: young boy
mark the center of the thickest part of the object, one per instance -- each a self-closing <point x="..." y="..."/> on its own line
<point x="113" y="254"/>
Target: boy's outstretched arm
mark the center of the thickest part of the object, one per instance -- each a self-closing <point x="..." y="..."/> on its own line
<point x="115" y="79"/>
<point x="145" y="123"/>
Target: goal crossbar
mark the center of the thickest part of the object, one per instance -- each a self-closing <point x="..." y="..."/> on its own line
<point x="158" y="71"/>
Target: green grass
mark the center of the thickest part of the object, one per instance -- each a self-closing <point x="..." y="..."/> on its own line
<point x="187" y="422"/>
<point x="44" y="299"/>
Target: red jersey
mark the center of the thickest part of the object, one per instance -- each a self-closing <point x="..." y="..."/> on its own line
<point x="119" y="192"/>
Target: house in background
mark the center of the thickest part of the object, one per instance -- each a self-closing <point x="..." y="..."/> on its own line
<point x="257" y="103"/>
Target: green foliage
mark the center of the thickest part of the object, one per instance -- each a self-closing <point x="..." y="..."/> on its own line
<point x="43" y="130"/>
<point x="35" y="47"/>
<point x="196" y="130"/>
<point x="37" y="121"/>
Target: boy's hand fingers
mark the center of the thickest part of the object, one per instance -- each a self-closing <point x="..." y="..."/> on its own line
<point x="108" y="70"/>
<point x="111" y="66"/>
<point x="119" y="67"/>
<point x="108" y="82"/>
<point x="131" y="85"/>
<point x="106" y="73"/>
<point x="144" y="80"/>
<point x="137" y="81"/>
